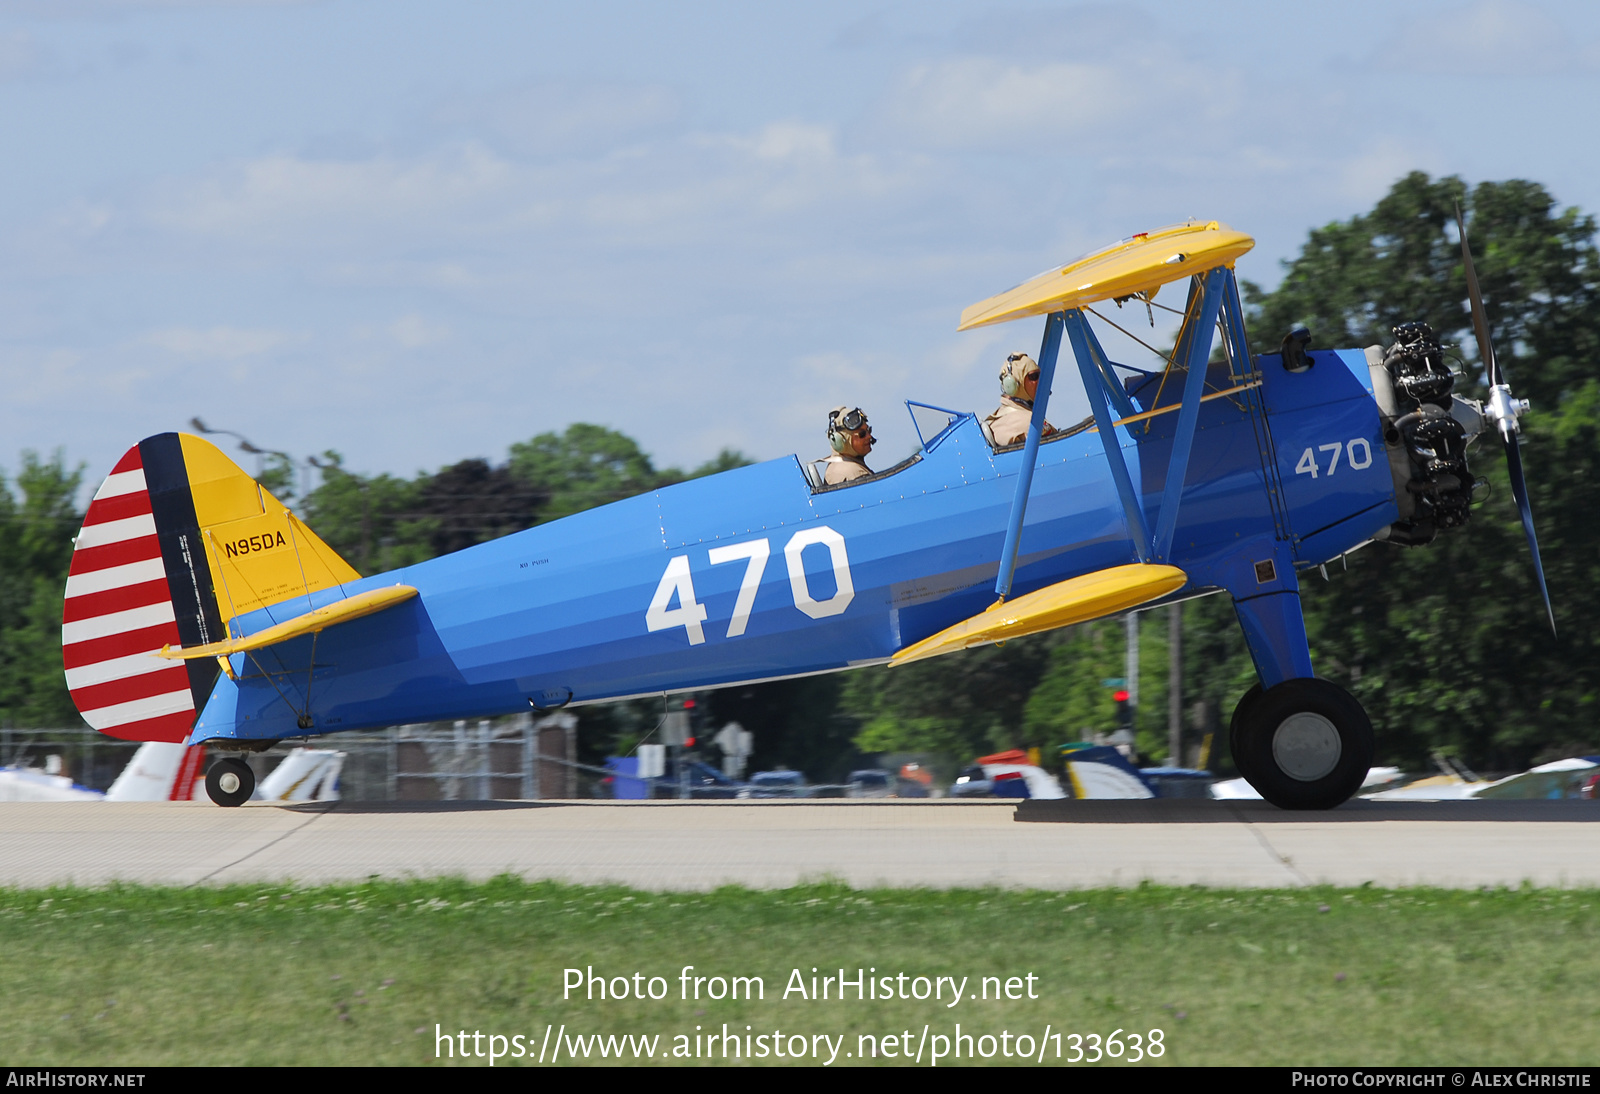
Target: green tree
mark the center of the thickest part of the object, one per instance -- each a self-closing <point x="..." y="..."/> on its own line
<point x="381" y="522"/>
<point x="726" y="460"/>
<point x="277" y="476"/>
<point x="472" y="502"/>
<point x="960" y="705"/>
<point x="799" y="724"/>
<point x="369" y="520"/>
<point x="1070" y="701"/>
<point x="1446" y="645"/>
<point x="1537" y="265"/>
<point x="588" y="465"/>
<point x="1217" y="671"/>
<point x="36" y="532"/>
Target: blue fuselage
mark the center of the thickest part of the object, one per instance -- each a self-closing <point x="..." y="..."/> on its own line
<point x="754" y="574"/>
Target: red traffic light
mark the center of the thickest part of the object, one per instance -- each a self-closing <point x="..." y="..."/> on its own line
<point x="688" y="742"/>
<point x="1120" y="696"/>
<point x="688" y="704"/>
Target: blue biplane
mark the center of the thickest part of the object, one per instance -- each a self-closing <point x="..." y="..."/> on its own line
<point x="200" y="609"/>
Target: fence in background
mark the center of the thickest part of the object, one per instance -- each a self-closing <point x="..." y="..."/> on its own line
<point x="508" y="758"/>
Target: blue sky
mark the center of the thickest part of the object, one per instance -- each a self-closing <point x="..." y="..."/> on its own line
<point x="417" y="232"/>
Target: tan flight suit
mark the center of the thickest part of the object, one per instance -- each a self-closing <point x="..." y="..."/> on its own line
<point x="1008" y="425"/>
<point x="844" y="469"/>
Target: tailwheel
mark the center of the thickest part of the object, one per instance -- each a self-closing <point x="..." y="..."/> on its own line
<point x="1304" y="744"/>
<point x="230" y="781"/>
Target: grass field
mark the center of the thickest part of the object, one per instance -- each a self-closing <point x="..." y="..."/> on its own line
<point x="369" y="974"/>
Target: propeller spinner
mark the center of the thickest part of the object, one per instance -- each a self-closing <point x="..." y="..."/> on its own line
<point x="1503" y="410"/>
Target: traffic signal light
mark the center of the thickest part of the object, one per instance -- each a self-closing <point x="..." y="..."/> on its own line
<point x="691" y="712"/>
<point x="1124" y="709"/>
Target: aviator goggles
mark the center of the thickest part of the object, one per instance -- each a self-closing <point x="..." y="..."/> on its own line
<point x="849" y="421"/>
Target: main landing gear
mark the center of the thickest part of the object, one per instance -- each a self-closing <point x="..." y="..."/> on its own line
<point x="1304" y="744"/>
<point x="230" y="781"/>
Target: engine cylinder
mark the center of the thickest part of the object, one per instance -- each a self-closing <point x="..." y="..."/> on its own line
<point x="1439" y="485"/>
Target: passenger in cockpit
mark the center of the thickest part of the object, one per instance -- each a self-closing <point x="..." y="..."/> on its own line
<point x="851" y="439"/>
<point x="1019" y="384"/>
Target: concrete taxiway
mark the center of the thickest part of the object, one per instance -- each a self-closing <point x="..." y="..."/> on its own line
<point x="700" y="845"/>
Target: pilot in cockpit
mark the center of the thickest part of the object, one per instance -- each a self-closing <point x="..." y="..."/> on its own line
<point x="1019" y="384"/>
<point x="851" y="439"/>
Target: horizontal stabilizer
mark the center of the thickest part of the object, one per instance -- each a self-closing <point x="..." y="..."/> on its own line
<point x="1140" y="265"/>
<point x="1092" y="596"/>
<point x="340" y="611"/>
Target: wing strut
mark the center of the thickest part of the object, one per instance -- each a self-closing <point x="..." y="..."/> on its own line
<point x="1049" y="349"/>
<point x="1102" y="387"/>
<point x="1078" y="329"/>
<point x="1194" y="348"/>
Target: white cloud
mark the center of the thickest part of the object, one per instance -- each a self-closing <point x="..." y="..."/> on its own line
<point x="474" y="202"/>
<point x="78" y="9"/>
<point x="461" y="284"/>
<point x="995" y="101"/>
<point x="19" y="55"/>
<point x="216" y="343"/>
<point x="46" y="377"/>
<point x="257" y="199"/>
<point x="846" y="372"/>
<point x="986" y="101"/>
<point x="413" y="331"/>
<point x="448" y="275"/>
<point x="1488" y="38"/>
<point x="793" y="142"/>
<point x="547" y="118"/>
<point x="1369" y="173"/>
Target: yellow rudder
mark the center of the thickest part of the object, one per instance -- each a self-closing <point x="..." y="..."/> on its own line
<point x="260" y="554"/>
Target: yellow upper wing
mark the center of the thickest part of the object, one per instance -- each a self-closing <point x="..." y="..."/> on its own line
<point x="1138" y="265"/>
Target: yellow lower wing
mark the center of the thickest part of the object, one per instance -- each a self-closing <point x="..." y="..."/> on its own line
<point x="1079" y="600"/>
<point x="340" y="611"/>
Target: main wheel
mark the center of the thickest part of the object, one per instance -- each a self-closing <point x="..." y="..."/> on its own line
<point x="230" y="781"/>
<point x="1240" y="713"/>
<point x="1304" y="744"/>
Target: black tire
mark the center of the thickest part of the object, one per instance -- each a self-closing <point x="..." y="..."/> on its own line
<point x="1240" y="713"/>
<point x="1304" y="744"/>
<point x="230" y="782"/>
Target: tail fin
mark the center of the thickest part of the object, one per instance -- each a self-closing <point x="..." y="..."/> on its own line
<point x="159" y="772"/>
<point x="177" y="541"/>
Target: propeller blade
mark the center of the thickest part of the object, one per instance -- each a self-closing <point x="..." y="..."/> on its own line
<point x="1519" y="490"/>
<point x="1480" y="320"/>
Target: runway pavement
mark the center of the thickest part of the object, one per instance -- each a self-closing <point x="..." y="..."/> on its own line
<point x="700" y="845"/>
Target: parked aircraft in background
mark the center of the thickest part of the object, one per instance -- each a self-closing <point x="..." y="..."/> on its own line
<point x="158" y="771"/>
<point x="161" y="771"/>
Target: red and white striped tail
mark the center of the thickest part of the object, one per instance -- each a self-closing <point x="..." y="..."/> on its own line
<point x="119" y="612"/>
